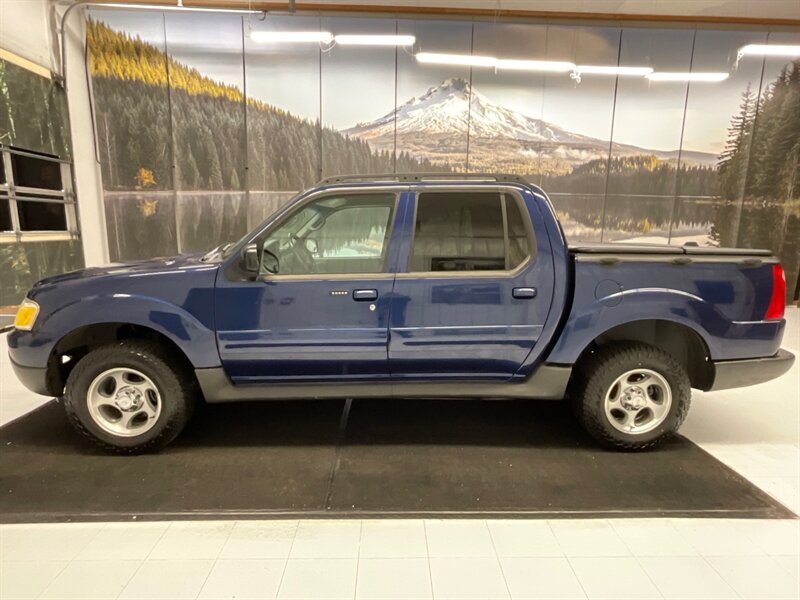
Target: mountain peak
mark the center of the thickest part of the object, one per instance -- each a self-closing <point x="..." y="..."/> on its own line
<point x="451" y="107"/>
<point x="454" y="87"/>
<point x="456" y="84"/>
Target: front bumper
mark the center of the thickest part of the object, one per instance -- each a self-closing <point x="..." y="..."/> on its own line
<point x="33" y="378"/>
<point x="741" y="373"/>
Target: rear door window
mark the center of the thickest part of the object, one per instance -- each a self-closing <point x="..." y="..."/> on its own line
<point x="468" y="231"/>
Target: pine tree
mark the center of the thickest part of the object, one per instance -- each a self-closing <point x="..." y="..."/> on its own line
<point x="190" y="174"/>
<point x="732" y="165"/>
<point x="781" y="175"/>
<point x="773" y="153"/>
<point x="214" y="170"/>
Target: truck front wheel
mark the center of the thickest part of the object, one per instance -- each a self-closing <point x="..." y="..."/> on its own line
<point x="127" y="398"/>
<point x="631" y="396"/>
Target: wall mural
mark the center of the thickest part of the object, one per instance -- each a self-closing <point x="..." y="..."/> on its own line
<point x="204" y="130"/>
<point x="33" y="116"/>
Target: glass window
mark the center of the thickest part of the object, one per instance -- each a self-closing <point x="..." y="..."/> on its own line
<point x="333" y="235"/>
<point x="36" y="172"/>
<point x="5" y="215"/>
<point x="41" y="216"/>
<point x="38" y="196"/>
<point x="458" y="232"/>
<point x="466" y="232"/>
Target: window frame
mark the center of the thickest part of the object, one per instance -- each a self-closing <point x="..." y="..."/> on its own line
<point x="505" y="194"/>
<point x="386" y="269"/>
<point x="12" y="194"/>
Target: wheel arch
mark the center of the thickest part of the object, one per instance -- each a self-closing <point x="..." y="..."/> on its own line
<point x="83" y="339"/>
<point x="679" y="340"/>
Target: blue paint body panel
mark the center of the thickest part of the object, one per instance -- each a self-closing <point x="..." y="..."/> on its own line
<point x="421" y="327"/>
<point x="467" y="326"/>
<point x="722" y="301"/>
<point x="172" y="296"/>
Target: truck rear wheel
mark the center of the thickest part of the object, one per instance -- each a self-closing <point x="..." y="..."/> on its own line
<point x="127" y="398"/>
<point x="631" y="396"/>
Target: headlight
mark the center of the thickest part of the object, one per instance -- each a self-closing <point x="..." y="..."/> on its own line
<point x="26" y="315"/>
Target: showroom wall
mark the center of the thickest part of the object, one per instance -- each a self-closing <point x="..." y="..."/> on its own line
<point x="38" y="221"/>
<point x="203" y="131"/>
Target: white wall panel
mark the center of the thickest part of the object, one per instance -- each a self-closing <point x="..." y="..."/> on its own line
<point x="25" y="31"/>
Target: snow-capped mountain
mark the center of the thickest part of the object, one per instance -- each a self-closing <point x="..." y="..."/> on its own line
<point x="434" y="126"/>
<point x="450" y="106"/>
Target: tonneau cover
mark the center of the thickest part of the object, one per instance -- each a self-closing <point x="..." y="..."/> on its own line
<point x="622" y="248"/>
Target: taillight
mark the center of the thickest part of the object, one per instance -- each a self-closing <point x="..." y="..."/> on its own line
<point x="777" y="304"/>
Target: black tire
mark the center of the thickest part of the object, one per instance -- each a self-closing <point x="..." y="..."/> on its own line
<point x="177" y="390"/>
<point x="597" y="374"/>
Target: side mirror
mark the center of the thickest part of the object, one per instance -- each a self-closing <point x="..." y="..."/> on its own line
<point x="250" y="258"/>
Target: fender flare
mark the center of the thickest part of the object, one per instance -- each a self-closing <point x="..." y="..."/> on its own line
<point x="589" y="322"/>
<point x="195" y="340"/>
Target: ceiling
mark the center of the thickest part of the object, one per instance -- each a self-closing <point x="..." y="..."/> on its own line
<point x="735" y="11"/>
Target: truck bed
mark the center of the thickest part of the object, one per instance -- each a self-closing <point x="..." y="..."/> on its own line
<point x="622" y="248"/>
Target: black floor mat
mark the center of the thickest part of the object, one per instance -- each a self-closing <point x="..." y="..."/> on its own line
<point x="398" y="458"/>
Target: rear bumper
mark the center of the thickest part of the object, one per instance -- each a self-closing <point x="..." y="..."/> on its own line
<point x="33" y="378"/>
<point x="741" y="373"/>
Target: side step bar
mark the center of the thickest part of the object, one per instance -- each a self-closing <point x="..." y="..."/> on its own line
<point x="549" y="382"/>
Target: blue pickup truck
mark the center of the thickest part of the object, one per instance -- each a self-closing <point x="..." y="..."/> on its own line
<point x="405" y="286"/>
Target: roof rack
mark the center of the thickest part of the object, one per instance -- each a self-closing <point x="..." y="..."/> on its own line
<point x="499" y="177"/>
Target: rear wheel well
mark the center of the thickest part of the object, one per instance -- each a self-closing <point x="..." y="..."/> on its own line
<point x="680" y="341"/>
<point x="79" y="342"/>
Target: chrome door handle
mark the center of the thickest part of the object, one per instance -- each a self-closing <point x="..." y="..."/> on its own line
<point x="524" y="292"/>
<point x="365" y="295"/>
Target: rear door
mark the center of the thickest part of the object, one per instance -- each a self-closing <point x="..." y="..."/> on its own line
<point x="474" y="295"/>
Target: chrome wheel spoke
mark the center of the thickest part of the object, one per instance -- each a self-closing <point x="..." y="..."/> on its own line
<point x="659" y="409"/>
<point x="119" y="380"/>
<point x="128" y="419"/>
<point x="630" y="419"/>
<point x="151" y="410"/>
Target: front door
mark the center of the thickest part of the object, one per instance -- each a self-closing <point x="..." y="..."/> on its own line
<point x="476" y="292"/>
<point x="319" y="309"/>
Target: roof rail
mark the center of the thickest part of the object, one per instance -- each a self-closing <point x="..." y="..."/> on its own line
<point x="499" y="177"/>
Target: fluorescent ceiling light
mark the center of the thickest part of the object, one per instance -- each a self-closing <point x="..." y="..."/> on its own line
<point x="456" y="59"/>
<point x="663" y="76"/>
<point x="240" y="11"/>
<point x="768" y="50"/>
<point x="535" y="65"/>
<point x="375" y="40"/>
<point x="280" y="37"/>
<point x="610" y="70"/>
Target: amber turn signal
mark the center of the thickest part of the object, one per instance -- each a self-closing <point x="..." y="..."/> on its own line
<point x="26" y="315"/>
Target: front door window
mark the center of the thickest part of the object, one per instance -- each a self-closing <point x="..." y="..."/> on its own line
<point x="336" y="235"/>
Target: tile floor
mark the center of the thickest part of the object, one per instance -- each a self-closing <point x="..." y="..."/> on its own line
<point x="757" y="434"/>
<point x="756" y="430"/>
<point x="403" y="559"/>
